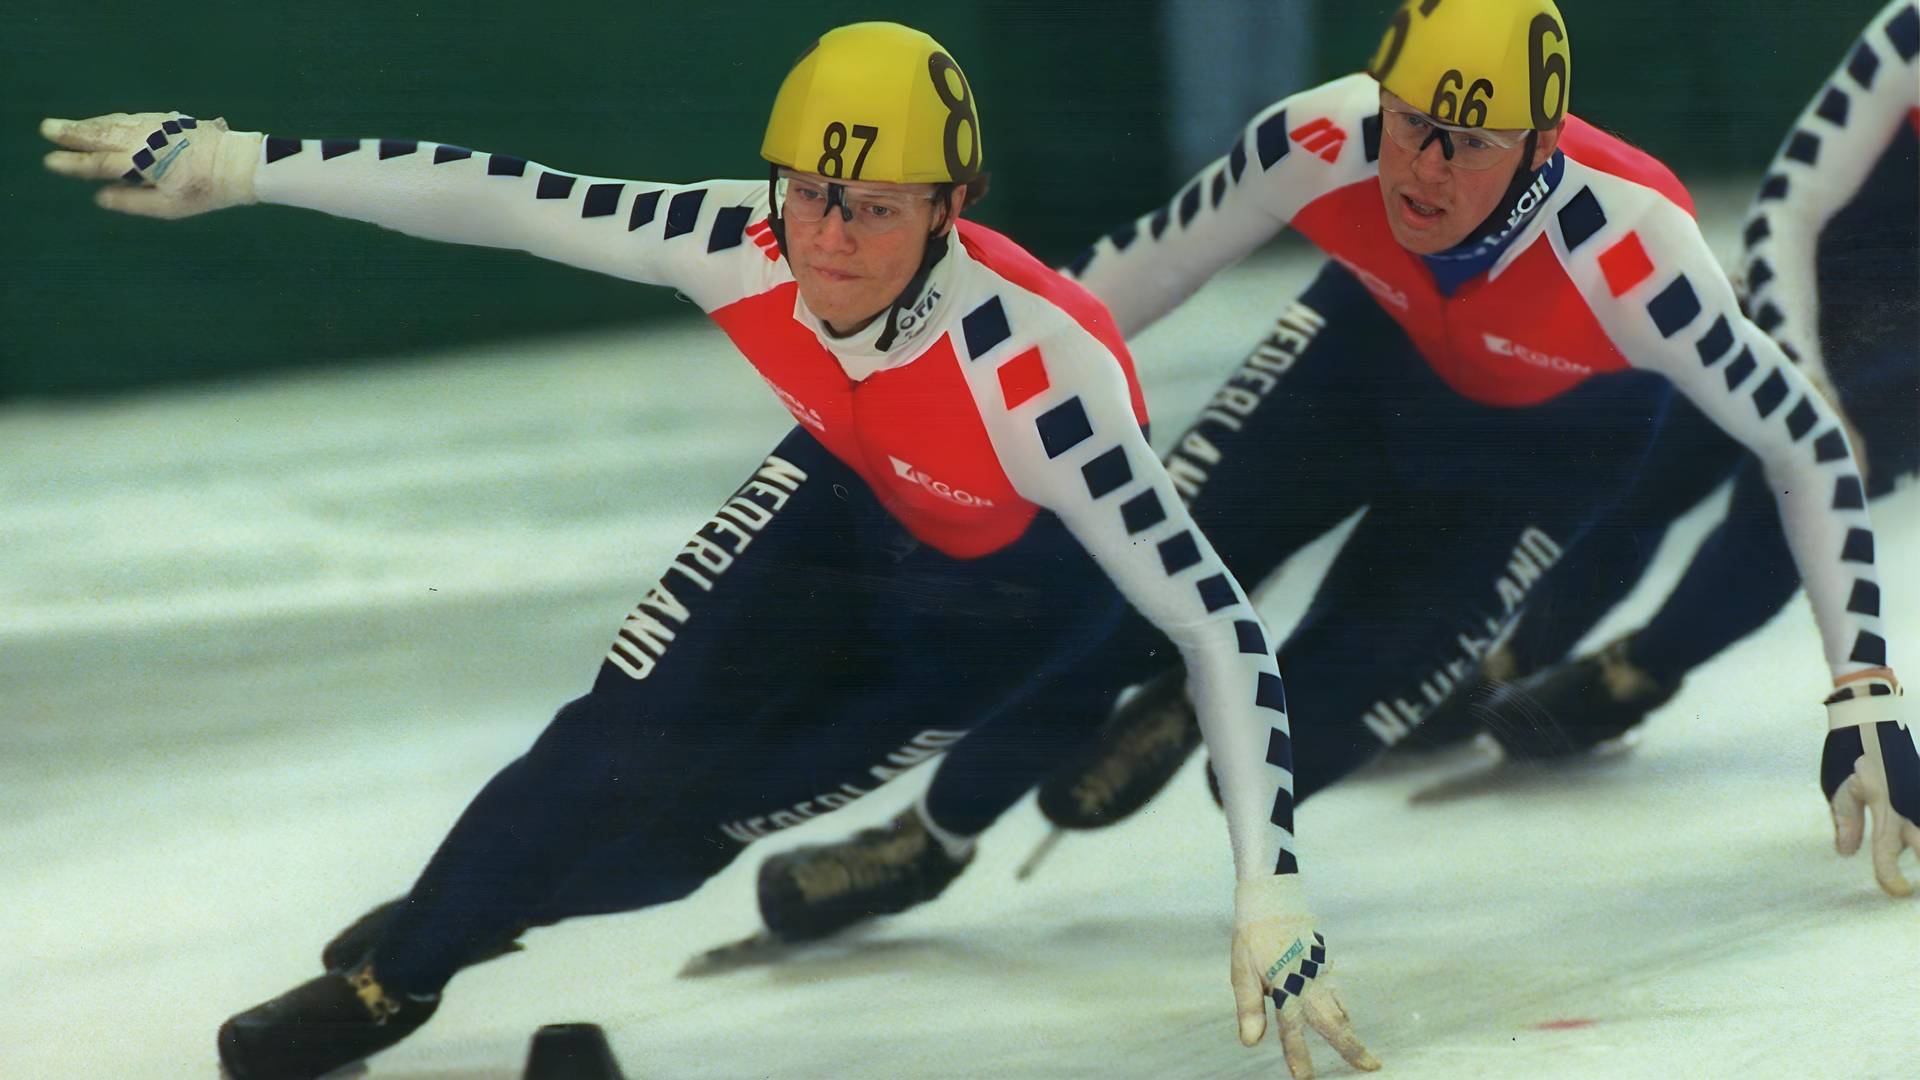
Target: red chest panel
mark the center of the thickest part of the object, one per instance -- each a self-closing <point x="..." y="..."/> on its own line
<point x="1515" y="341"/>
<point x="911" y="432"/>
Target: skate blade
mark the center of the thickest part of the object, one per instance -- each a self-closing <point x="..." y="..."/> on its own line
<point x="762" y="947"/>
<point x="344" y="1072"/>
<point x="1504" y="776"/>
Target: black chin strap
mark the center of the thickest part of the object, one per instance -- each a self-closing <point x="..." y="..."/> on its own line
<point x="937" y="246"/>
<point x="1523" y="175"/>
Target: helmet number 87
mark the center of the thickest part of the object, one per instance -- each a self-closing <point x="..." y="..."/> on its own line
<point x="834" y="141"/>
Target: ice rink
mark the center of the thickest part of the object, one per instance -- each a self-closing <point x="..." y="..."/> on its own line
<point x="260" y="643"/>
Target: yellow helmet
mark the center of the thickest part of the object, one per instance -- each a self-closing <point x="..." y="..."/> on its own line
<point x="876" y="101"/>
<point x="1478" y="63"/>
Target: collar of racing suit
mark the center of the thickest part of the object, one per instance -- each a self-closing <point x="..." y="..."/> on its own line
<point x="900" y="333"/>
<point x="1525" y="195"/>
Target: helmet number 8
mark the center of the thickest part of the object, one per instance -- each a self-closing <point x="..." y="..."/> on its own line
<point x="963" y="158"/>
<point x="834" y="140"/>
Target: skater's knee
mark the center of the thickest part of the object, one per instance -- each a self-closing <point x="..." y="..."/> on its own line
<point x="594" y="743"/>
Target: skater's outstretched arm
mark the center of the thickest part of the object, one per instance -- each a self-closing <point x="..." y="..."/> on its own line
<point x="168" y="165"/>
<point x="1075" y="448"/>
<point x="1823" y="163"/>
<point x="1151" y="265"/>
<point x="1672" y="309"/>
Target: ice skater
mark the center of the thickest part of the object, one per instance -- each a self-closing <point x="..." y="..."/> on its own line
<point x="967" y="499"/>
<point x="1483" y="366"/>
<point x="1831" y="270"/>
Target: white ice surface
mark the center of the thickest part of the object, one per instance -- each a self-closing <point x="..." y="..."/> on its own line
<point x="259" y="644"/>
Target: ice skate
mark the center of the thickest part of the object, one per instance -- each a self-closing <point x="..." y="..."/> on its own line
<point x="351" y="945"/>
<point x="1457" y="720"/>
<point x="1574" y="708"/>
<point x="811" y="892"/>
<point x="319" y="1026"/>
<point x="1139" y="749"/>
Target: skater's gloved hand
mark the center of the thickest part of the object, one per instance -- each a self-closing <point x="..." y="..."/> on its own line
<point x="1277" y="952"/>
<point x="162" y="164"/>
<point x="1870" y="766"/>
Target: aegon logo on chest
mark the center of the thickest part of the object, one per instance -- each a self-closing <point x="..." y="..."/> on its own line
<point x="1500" y="346"/>
<point x="938" y="487"/>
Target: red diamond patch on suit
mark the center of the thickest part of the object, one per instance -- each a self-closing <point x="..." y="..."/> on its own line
<point x="1023" y="378"/>
<point x="1625" y="264"/>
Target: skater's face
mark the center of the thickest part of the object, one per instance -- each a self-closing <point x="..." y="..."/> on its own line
<point x="854" y="247"/>
<point x="1434" y="202"/>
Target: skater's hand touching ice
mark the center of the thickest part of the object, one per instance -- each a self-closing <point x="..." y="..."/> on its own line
<point x="1870" y="767"/>
<point x="161" y="164"/>
<point x="1277" y="953"/>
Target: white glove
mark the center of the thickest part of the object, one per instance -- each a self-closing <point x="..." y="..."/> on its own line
<point x="1869" y="764"/>
<point x="1276" y="951"/>
<point x="168" y="165"/>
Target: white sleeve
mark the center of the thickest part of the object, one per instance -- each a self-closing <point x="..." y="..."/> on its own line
<point x="689" y="237"/>
<point x="1076" y="449"/>
<point x="1832" y="148"/>
<point x="1149" y="266"/>
<point x="1676" y="314"/>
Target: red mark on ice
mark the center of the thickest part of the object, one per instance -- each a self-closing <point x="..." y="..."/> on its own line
<point x="1563" y="1025"/>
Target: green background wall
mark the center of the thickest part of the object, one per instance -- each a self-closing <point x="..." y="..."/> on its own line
<point x="1072" y="99"/>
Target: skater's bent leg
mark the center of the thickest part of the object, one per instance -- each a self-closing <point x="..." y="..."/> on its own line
<point x="999" y="762"/>
<point x="1741" y="576"/>
<point x="1689" y="459"/>
<point x="1393" y="630"/>
<point x="612" y="765"/>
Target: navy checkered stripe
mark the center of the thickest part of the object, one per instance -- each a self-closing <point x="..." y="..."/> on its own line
<point x="598" y="199"/>
<point x="1677" y="307"/>
<point x="1768" y="395"/>
<point x="156" y="151"/>
<point x="1208" y="190"/>
<point x="1065" y="427"/>
<point x="1110" y="478"/>
<point x="1297" y="981"/>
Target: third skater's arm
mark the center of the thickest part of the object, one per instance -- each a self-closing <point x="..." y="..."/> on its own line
<point x="1834" y="145"/>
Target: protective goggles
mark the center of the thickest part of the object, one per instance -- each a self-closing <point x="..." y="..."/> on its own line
<point x="1465" y="148"/>
<point x="865" y="212"/>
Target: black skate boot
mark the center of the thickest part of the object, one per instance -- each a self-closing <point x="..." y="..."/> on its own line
<point x="1575" y="706"/>
<point x="1459" y="718"/>
<point x="811" y="892"/>
<point x="350" y="946"/>
<point x="1138" y="750"/>
<point x="319" y="1026"/>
